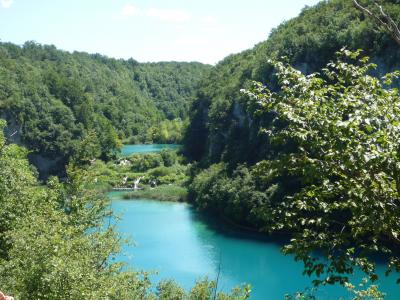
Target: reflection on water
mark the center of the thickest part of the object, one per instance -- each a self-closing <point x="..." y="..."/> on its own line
<point x="174" y="240"/>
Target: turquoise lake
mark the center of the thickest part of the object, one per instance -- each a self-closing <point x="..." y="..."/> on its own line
<point x="131" y="149"/>
<point x="174" y="240"/>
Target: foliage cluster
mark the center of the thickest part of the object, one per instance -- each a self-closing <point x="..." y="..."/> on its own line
<point x="340" y="129"/>
<point x="167" y="132"/>
<point x="327" y="182"/>
<point x="164" y="192"/>
<point x="54" y="100"/>
<point x="234" y="196"/>
<point x="203" y="290"/>
<point x="223" y="126"/>
<point x="53" y="242"/>
<point x="331" y="178"/>
<point x="166" y="169"/>
<point x="56" y="241"/>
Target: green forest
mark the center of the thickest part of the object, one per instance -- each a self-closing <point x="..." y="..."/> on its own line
<point x="294" y="138"/>
<point x="56" y="101"/>
<point x="299" y="152"/>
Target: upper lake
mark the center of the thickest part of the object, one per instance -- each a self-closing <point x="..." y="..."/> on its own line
<point x="146" y="148"/>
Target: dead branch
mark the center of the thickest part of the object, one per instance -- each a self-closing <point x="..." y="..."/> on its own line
<point x="383" y="19"/>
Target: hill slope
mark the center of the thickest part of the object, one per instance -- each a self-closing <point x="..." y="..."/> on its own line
<point x="54" y="99"/>
<point x="223" y="125"/>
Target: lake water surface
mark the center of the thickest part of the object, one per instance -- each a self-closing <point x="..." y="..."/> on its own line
<point x="146" y="148"/>
<point x="178" y="243"/>
<point x="174" y="240"/>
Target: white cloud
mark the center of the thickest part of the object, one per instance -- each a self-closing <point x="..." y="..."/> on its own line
<point x="171" y="15"/>
<point x="130" y="10"/>
<point x="6" y="3"/>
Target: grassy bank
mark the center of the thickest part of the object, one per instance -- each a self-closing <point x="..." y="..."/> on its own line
<point x="163" y="193"/>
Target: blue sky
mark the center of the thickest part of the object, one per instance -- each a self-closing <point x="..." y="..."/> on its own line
<point x="147" y="30"/>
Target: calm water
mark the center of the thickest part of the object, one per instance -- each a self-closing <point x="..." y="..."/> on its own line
<point x="130" y="149"/>
<point x="172" y="239"/>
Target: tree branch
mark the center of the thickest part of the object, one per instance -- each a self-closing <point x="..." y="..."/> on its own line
<point x="383" y="19"/>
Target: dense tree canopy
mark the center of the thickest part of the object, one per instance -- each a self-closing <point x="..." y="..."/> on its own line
<point x="334" y="180"/>
<point x="221" y="115"/>
<point x="55" y="99"/>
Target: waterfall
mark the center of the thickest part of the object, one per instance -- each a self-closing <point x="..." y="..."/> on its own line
<point x="136" y="182"/>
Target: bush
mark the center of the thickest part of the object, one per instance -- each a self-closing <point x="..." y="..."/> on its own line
<point x="169" y="290"/>
<point x="169" y="157"/>
<point x="162" y="193"/>
<point x="160" y="171"/>
<point x="144" y="162"/>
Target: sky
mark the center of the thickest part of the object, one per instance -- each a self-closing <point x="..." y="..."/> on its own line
<point x="147" y="30"/>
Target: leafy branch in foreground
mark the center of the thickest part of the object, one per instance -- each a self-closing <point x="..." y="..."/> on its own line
<point x="55" y="243"/>
<point x="340" y="129"/>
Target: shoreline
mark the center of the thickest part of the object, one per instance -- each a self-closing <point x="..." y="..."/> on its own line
<point x="171" y="193"/>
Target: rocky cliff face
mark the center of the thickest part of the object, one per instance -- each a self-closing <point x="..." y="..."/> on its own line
<point x="44" y="165"/>
<point x="13" y="130"/>
<point x="47" y="166"/>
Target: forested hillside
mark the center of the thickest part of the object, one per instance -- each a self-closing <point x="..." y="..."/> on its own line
<point x="60" y="104"/>
<point x="296" y="137"/>
<point x="221" y="116"/>
<point x="261" y="157"/>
